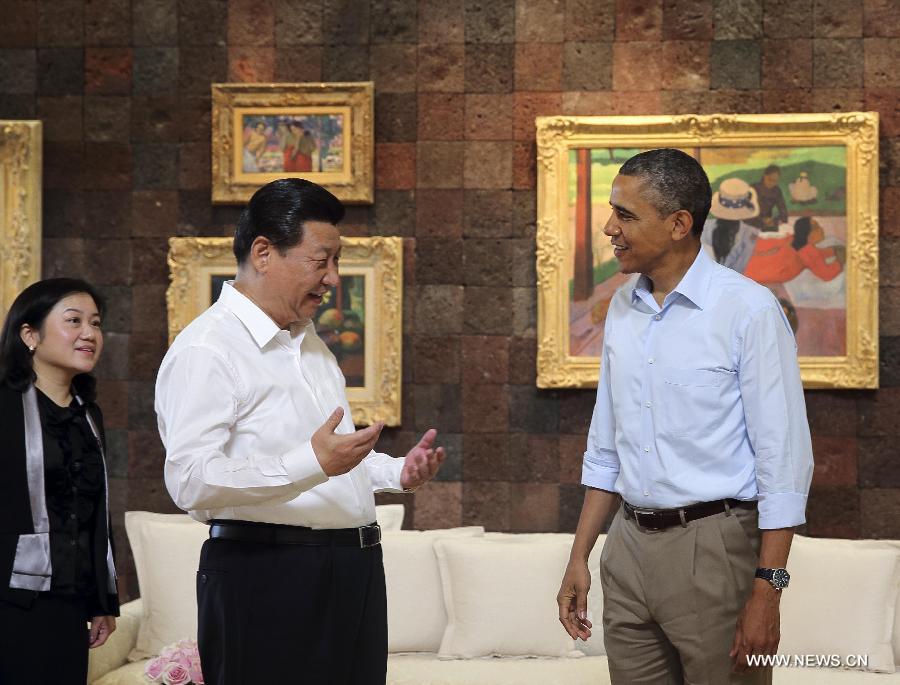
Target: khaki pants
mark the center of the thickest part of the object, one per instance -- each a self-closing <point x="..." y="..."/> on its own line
<point x="671" y="599"/>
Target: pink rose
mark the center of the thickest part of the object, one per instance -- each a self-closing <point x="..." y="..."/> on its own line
<point x="154" y="669"/>
<point x="196" y="673"/>
<point x="176" y="674"/>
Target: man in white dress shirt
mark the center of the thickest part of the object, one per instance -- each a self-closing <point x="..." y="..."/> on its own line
<point x="260" y="444"/>
<point x="700" y="426"/>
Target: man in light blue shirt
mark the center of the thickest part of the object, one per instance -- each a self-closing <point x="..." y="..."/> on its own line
<point x="700" y="426"/>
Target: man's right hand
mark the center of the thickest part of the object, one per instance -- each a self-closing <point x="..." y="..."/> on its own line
<point x="572" y="600"/>
<point x="337" y="453"/>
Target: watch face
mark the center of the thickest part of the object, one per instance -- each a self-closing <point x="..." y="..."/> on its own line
<point x="780" y="578"/>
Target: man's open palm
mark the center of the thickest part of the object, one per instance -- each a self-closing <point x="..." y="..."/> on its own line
<point x="421" y="462"/>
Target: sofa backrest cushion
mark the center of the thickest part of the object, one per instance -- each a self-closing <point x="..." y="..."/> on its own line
<point x="389" y="516"/>
<point x="500" y="598"/>
<point x="841" y="600"/>
<point x="415" y="597"/>
<point x="166" y="549"/>
<point x="594" y="646"/>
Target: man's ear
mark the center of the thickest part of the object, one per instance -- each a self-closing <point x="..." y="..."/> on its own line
<point x="682" y="223"/>
<point x="260" y="253"/>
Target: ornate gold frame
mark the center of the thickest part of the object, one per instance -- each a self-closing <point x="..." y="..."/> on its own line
<point x="193" y="261"/>
<point x="355" y="100"/>
<point x="20" y="208"/>
<point x="857" y="131"/>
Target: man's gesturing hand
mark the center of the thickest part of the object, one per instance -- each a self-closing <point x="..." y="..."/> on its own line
<point x="422" y="462"/>
<point x="337" y="453"/>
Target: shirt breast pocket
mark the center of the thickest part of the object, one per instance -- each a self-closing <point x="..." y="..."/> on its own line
<point x="690" y="400"/>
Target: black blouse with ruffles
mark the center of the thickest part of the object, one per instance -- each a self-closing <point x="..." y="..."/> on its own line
<point x="73" y="475"/>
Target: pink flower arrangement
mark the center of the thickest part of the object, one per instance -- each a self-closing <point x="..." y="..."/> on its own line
<point x="177" y="664"/>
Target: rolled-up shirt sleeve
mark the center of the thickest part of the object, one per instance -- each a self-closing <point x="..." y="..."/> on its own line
<point x="196" y="417"/>
<point x="775" y="415"/>
<point x="601" y="461"/>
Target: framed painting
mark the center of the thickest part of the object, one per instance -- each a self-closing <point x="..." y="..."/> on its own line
<point x="20" y="208"/>
<point x="795" y="207"/>
<point x="360" y="320"/>
<point x="322" y="132"/>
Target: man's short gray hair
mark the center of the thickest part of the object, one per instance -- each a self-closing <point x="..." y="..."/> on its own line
<point x="676" y="181"/>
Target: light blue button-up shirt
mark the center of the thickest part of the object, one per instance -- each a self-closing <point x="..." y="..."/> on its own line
<point x="701" y="399"/>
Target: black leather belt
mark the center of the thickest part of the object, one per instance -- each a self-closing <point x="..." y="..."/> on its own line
<point x="659" y="519"/>
<point x="276" y="534"/>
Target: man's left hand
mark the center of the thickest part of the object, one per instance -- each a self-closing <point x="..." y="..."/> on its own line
<point x="421" y="462"/>
<point x="758" y="627"/>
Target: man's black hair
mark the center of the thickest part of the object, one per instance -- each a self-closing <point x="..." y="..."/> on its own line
<point x="279" y="209"/>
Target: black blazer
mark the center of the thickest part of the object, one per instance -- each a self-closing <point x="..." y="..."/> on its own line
<point x="15" y="508"/>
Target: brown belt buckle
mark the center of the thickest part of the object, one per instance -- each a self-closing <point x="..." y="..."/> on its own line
<point x="369" y="536"/>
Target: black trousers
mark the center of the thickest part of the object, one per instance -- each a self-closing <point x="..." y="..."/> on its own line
<point x="291" y="614"/>
<point x="45" y="644"/>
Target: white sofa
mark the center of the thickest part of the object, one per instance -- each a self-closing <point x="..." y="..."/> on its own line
<point x="459" y="599"/>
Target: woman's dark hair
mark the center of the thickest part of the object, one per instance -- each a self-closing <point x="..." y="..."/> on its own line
<point x="278" y="210"/>
<point x="802" y="229"/>
<point x="723" y="238"/>
<point x="32" y="307"/>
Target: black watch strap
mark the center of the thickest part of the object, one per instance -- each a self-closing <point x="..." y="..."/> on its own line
<point x="778" y="577"/>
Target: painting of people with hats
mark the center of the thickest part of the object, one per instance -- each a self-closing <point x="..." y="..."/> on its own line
<point x="283" y="143"/>
<point x="789" y="237"/>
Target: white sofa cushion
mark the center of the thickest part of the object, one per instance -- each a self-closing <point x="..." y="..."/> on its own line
<point x="430" y="669"/>
<point x="166" y="549"/>
<point x="389" y="516"/>
<point x="500" y="598"/>
<point x="594" y="646"/>
<point x="415" y="598"/>
<point x="841" y="600"/>
<point x="895" y="546"/>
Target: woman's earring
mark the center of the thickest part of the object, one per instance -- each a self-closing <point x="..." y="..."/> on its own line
<point x="31" y="348"/>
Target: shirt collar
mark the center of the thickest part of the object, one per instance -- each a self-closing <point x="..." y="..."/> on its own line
<point x="694" y="285"/>
<point x="260" y="325"/>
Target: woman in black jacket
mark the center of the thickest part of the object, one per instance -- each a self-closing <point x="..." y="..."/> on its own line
<point x="56" y="564"/>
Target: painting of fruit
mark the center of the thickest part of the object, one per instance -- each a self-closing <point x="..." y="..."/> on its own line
<point x="341" y="322"/>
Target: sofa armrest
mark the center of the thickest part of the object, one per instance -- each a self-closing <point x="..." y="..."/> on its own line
<point x="114" y="653"/>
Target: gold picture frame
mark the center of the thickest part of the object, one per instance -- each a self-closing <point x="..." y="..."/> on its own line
<point x="834" y="158"/>
<point x="20" y="208"/>
<point x="371" y="291"/>
<point x="323" y="132"/>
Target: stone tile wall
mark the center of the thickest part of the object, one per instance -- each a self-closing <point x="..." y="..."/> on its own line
<point x="123" y="89"/>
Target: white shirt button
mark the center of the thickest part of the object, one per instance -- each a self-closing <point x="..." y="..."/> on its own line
<point x="646" y="494"/>
<point x="650" y="360"/>
<point x="646" y="449"/>
<point x="648" y="404"/>
<point x="657" y="317"/>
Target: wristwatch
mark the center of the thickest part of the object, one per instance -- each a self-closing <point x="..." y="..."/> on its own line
<point x="778" y="577"/>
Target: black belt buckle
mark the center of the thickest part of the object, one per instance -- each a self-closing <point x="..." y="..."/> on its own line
<point x="637" y="513"/>
<point x="369" y="536"/>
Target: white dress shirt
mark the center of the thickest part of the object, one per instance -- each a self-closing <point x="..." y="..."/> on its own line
<point x="701" y="399"/>
<point x="237" y="402"/>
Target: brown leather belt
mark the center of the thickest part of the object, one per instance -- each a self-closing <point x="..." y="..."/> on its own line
<point x="276" y="534"/>
<point x="660" y="519"/>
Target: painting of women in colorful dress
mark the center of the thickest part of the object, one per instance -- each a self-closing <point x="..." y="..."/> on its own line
<point x="287" y="143"/>
<point x="778" y="216"/>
